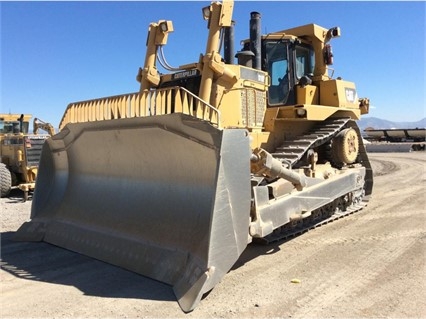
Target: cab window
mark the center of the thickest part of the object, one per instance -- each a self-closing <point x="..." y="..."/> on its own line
<point x="277" y="67"/>
<point x="304" y="61"/>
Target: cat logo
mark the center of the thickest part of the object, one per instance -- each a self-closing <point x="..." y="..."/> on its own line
<point x="185" y="74"/>
<point x="351" y="95"/>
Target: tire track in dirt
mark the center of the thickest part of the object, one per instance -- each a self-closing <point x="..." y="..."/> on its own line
<point x="352" y="282"/>
<point x="382" y="167"/>
<point x="418" y="233"/>
<point x="409" y="299"/>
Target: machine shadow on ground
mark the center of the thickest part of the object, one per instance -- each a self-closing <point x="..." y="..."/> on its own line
<point x="51" y="264"/>
<point x="17" y="196"/>
<point x="48" y="263"/>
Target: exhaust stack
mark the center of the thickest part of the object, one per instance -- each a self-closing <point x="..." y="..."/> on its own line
<point x="229" y="44"/>
<point x="255" y="39"/>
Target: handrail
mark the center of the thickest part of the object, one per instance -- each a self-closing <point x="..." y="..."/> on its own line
<point x="140" y="104"/>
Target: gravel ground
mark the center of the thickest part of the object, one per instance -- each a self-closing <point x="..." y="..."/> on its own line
<point x="369" y="264"/>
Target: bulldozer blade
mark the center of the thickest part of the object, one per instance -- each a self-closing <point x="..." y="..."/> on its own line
<point x="165" y="196"/>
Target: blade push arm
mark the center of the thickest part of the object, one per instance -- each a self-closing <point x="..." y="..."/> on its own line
<point x="157" y="36"/>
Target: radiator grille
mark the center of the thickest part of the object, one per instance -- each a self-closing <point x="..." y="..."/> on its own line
<point x="33" y="147"/>
<point x="253" y="106"/>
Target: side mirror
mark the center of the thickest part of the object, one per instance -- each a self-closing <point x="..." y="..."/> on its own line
<point x="305" y="80"/>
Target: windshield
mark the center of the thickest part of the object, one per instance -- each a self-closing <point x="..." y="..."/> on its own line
<point x="13" y="127"/>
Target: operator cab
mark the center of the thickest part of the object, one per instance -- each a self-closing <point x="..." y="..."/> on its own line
<point x="287" y="62"/>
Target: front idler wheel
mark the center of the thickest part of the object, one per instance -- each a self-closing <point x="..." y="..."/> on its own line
<point x="345" y="147"/>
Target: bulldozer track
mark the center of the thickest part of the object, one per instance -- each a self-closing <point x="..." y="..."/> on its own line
<point x="294" y="229"/>
<point x="293" y="150"/>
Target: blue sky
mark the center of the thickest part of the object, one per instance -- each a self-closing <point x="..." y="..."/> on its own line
<point x="54" y="53"/>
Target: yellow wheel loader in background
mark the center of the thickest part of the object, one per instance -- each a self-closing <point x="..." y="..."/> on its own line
<point x="173" y="182"/>
<point x="20" y="152"/>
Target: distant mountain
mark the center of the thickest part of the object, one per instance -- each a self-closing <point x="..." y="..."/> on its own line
<point x="377" y="123"/>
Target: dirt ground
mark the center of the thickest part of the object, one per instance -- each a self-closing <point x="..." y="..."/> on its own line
<point x="369" y="264"/>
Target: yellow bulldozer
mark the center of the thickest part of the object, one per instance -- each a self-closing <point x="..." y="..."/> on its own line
<point x="20" y="152"/>
<point x="174" y="181"/>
